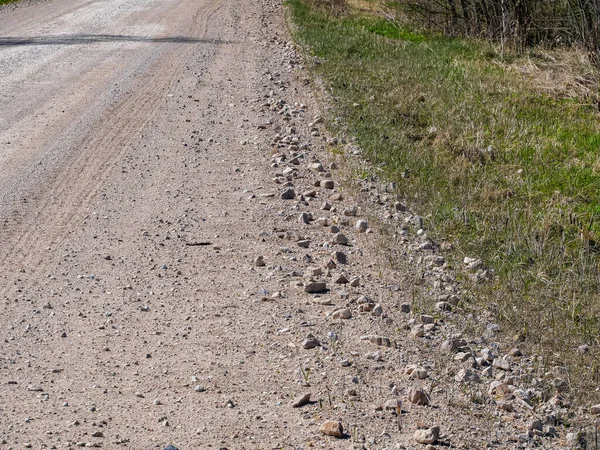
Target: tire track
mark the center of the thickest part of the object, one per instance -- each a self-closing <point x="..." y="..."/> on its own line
<point x="89" y="169"/>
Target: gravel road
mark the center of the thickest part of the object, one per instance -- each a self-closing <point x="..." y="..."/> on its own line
<point x="180" y="264"/>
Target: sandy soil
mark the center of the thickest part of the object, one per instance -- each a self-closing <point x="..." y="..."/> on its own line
<point x="144" y="150"/>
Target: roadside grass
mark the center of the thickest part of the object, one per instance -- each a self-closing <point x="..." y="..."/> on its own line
<point x="500" y="153"/>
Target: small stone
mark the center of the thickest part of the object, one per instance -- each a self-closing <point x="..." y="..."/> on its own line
<point x="535" y="425"/>
<point x="324" y="301"/>
<point x="426" y="319"/>
<point x="332" y="428"/>
<point x="443" y="306"/>
<point x="366" y="307"/>
<point x="418" y="396"/>
<point x="339" y="238"/>
<point x="323" y="221"/>
<point x="377" y="310"/>
<point x="305" y="218"/>
<point x="380" y="341"/>
<point x="462" y="356"/>
<point x="326" y="206"/>
<point x="340" y="279"/>
<point x="560" y="385"/>
<point x="355" y="282"/>
<point x="595" y="410"/>
<point x="200" y="388"/>
<point x="288" y="194"/>
<point x="419" y="373"/>
<point x="392" y="405"/>
<point x="405" y="308"/>
<point x="574" y="440"/>
<point x="344" y="314"/>
<point x="501" y="363"/>
<point x="98" y="434"/>
<point x="506" y="406"/>
<point x="327" y="184"/>
<point x="487" y="354"/>
<point x="337" y="197"/>
<point x="429" y="436"/>
<point x="301" y="400"/>
<point x="466" y="376"/>
<point x="259" y="261"/>
<point x="170" y="447"/>
<point x="362" y="225"/>
<point x="314" y="287"/>
<point x="310" y="342"/>
<point x="314" y="272"/>
<point x="350" y="212"/>
<point x="418" y="331"/>
<point x="340" y="257"/>
<point x="515" y="352"/>
<point x="305" y="243"/>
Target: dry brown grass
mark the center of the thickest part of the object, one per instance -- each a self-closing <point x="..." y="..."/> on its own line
<point x="564" y="73"/>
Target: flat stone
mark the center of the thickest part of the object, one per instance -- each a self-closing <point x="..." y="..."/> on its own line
<point x="340" y="238"/>
<point x="301" y="400"/>
<point x="324" y="301"/>
<point x="429" y="436"/>
<point x="314" y="271"/>
<point x="316" y="286"/>
<point x="344" y="313"/>
<point x="380" y="341"/>
<point x="332" y="428"/>
<point x="327" y="184"/>
<point x="310" y="342"/>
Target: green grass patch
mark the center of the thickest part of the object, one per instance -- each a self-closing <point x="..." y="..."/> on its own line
<point x="504" y="170"/>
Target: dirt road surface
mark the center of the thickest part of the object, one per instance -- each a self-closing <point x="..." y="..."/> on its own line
<point x="167" y="207"/>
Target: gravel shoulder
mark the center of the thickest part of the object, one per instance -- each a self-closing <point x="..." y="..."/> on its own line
<point x="160" y="281"/>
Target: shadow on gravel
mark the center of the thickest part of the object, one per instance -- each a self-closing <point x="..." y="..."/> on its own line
<point x="78" y="39"/>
